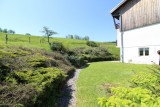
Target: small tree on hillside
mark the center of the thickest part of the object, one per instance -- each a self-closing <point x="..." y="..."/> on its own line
<point x="5" y="31"/>
<point x="1" y="30"/>
<point x="70" y="36"/>
<point x="86" y="38"/>
<point x="11" y="32"/>
<point x="28" y="34"/>
<point x="77" y="37"/>
<point x="48" y="32"/>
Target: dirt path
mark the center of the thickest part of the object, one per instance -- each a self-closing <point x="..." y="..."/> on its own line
<point x="69" y="91"/>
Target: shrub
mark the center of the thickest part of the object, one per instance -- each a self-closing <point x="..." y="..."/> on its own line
<point x="77" y="61"/>
<point x="92" y="44"/>
<point x="98" y="54"/>
<point x="80" y="56"/>
<point x="130" y="97"/>
<point x="150" y="81"/>
<point x="14" y="95"/>
<point x="28" y="77"/>
<point x="144" y="92"/>
<point x="46" y="83"/>
<point x="50" y="82"/>
<point x="58" y="46"/>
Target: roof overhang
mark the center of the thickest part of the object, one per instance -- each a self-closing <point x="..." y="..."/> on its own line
<point x="118" y="6"/>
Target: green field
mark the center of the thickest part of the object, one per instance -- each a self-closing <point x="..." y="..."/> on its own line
<point x="92" y="80"/>
<point x="23" y="40"/>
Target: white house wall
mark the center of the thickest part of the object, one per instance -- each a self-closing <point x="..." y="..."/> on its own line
<point x="118" y="38"/>
<point x="141" y="38"/>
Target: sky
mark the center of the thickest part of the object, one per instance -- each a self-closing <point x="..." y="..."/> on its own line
<point x="77" y="17"/>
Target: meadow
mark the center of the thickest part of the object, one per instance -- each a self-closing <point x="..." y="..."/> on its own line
<point x="41" y="42"/>
<point x="94" y="79"/>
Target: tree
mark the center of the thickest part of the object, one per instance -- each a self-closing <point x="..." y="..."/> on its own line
<point x="69" y="36"/>
<point x="77" y="37"/>
<point x="5" y="31"/>
<point x="28" y="34"/>
<point x="48" y="32"/>
<point x="1" y="30"/>
<point x="86" y="38"/>
<point x="11" y="32"/>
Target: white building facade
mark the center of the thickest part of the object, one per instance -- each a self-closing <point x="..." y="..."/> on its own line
<point x="139" y="43"/>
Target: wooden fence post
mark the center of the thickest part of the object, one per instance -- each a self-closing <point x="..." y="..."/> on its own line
<point x="6" y="38"/>
<point x="29" y="40"/>
<point x="159" y="55"/>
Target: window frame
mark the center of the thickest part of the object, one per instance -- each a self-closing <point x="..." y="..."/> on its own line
<point x="143" y="51"/>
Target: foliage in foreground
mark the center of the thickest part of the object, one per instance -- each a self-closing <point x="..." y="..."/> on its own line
<point x="130" y="97"/>
<point x="144" y="92"/>
<point x="31" y="77"/>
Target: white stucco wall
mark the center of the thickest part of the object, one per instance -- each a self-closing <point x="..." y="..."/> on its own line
<point x="118" y="38"/>
<point x="139" y="38"/>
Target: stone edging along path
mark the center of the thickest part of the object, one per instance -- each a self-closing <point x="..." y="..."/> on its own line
<point x="69" y="91"/>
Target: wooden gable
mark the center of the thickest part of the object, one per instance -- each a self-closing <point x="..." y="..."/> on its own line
<point x="137" y="13"/>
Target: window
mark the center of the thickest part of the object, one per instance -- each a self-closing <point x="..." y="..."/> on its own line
<point x="143" y="51"/>
<point x="146" y="51"/>
<point x="140" y="51"/>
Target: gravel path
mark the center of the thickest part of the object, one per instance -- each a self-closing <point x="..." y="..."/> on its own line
<point x="69" y="91"/>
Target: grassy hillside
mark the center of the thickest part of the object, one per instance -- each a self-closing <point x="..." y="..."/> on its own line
<point x="23" y="40"/>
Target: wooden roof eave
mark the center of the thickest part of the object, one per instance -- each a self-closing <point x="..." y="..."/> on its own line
<point x="116" y="16"/>
<point x="115" y="12"/>
<point x="118" y="6"/>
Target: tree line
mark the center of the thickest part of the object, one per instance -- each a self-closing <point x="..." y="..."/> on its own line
<point x="78" y="37"/>
<point x="9" y="31"/>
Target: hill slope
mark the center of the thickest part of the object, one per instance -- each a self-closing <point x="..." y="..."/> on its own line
<point x="41" y="42"/>
<point x="29" y="68"/>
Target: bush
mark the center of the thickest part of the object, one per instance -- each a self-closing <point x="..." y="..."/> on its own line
<point x="14" y="95"/>
<point x="80" y="56"/>
<point x="150" y="81"/>
<point x="130" y="97"/>
<point x="77" y="61"/>
<point x="57" y="46"/>
<point x="45" y="82"/>
<point x="92" y="44"/>
<point x="29" y="76"/>
<point x="144" y="92"/>
<point x="49" y="82"/>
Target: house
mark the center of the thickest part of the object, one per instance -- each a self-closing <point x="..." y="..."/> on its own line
<point x="138" y="30"/>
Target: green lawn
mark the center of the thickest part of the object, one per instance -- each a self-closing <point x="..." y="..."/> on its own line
<point x="91" y="79"/>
